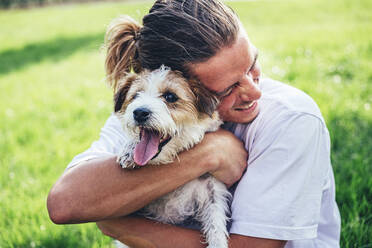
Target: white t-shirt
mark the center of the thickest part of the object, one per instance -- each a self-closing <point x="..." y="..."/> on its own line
<point x="288" y="190"/>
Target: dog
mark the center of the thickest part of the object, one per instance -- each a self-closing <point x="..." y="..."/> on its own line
<point x="164" y="114"/>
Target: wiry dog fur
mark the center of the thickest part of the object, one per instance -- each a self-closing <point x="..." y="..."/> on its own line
<point x="179" y="112"/>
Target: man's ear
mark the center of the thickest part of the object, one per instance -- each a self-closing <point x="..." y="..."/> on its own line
<point x="206" y="101"/>
<point x="122" y="90"/>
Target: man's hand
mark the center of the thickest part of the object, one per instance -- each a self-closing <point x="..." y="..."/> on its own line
<point x="228" y="158"/>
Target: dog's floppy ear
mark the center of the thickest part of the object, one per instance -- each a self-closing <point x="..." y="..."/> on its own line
<point x="122" y="90"/>
<point x="206" y="101"/>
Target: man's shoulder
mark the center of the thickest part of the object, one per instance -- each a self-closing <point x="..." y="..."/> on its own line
<point x="280" y="98"/>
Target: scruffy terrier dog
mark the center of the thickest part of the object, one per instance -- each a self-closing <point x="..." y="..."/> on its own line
<point x="163" y="114"/>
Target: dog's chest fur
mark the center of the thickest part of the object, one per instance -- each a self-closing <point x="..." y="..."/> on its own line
<point x="186" y="201"/>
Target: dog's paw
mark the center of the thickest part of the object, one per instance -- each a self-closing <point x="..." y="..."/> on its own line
<point x="125" y="158"/>
<point x="126" y="161"/>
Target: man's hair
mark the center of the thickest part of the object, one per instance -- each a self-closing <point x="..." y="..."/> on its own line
<point x="174" y="33"/>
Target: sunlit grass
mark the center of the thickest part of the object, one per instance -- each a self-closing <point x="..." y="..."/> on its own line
<point x="53" y="101"/>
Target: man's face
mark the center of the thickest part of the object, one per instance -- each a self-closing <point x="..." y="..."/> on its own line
<point x="233" y="74"/>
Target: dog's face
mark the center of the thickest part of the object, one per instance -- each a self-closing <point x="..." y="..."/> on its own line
<point x="157" y="107"/>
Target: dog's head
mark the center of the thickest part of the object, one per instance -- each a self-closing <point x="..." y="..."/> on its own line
<point x="161" y="107"/>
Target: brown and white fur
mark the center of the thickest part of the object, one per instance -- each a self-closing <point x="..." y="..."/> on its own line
<point x="162" y="107"/>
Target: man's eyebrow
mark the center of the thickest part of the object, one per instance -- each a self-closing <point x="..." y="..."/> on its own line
<point x="221" y="93"/>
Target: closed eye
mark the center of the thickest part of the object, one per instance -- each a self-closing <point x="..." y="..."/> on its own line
<point x="228" y="91"/>
<point x="254" y="63"/>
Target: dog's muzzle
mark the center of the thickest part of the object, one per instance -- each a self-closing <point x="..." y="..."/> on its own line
<point x="150" y="141"/>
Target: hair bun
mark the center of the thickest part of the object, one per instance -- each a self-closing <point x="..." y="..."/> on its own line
<point x="120" y="42"/>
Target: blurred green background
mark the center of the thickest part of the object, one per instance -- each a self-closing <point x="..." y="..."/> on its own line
<point x="53" y="100"/>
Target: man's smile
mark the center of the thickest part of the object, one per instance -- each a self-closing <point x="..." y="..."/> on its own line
<point x="246" y="106"/>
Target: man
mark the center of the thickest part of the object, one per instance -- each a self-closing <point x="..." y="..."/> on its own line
<point x="286" y="196"/>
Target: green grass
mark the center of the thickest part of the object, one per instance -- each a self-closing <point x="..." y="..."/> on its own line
<point x="53" y="101"/>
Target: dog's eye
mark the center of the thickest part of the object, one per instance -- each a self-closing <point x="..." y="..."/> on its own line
<point x="170" y="97"/>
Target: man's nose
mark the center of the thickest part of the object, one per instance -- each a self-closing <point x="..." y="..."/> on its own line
<point x="249" y="90"/>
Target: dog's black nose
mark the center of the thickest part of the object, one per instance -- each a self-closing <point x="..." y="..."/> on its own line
<point x="141" y="115"/>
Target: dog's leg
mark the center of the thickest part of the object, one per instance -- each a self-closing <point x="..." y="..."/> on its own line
<point x="213" y="214"/>
<point x="125" y="158"/>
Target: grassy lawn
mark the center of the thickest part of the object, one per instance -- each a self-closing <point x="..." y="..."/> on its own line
<point x="53" y="101"/>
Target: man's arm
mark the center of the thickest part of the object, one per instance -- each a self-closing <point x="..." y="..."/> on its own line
<point x="138" y="232"/>
<point x="99" y="189"/>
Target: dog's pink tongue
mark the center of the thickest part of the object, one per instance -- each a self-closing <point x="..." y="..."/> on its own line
<point x="146" y="149"/>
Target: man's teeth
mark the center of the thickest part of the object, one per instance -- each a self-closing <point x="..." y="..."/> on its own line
<point x="247" y="106"/>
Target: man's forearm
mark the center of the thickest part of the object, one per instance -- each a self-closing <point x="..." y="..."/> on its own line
<point x="139" y="232"/>
<point x="99" y="189"/>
